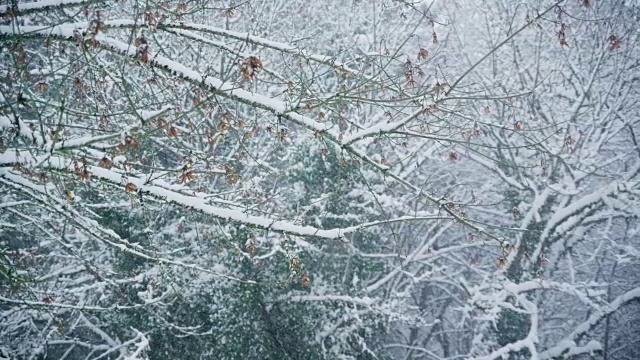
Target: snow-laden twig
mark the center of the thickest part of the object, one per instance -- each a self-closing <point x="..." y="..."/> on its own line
<point x="192" y="202"/>
<point x="141" y="346"/>
<point x="90" y="227"/>
<point x="25" y="8"/>
<point x="278" y="108"/>
<point x="569" y="345"/>
<point x="341" y="298"/>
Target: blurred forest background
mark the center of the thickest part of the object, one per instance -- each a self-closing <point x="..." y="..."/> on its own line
<point x="331" y="179"/>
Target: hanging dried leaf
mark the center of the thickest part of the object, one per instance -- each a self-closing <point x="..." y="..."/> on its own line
<point x="249" y="67"/>
<point x="139" y="41"/>
<point x="294" y="263"/>
<point x="516" y="213"/>
<point x="281" y="135"/>
<point x="562" y="34"/>
<point x="130" y="187"/>
<point x="131" y="142"/>
<point x="568" y="140"/>
<point x="614" y="42"/>
<point x="77" y="83"/>
<point x="76" y="168"/>
<point x="105" y="163"/>
<point x="161" y="122"/>
<point x="304" y="279"/>
<point x="86" y="174"/>
<point x="186" y="176"/>
<point x="144" y="55"/>
<point x="250" y="246"/>
<point x="42" y="86"/>
<point x="423" y="53"/>
<point x="501" y="262"/>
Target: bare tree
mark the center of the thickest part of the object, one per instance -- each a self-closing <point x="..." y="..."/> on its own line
<point x="330" y="180"/>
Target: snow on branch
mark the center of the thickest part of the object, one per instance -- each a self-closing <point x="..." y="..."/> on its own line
<point x="141" y="346"/>
<point x="40" y="304"/>
<point x="527" y="343"/>
<point x="240" y="54"/>
<point x="279" y="46"/>
<point x="380" y="128"/>
<point x="41" y="194"/>
<point x="568" y="344"/>
<point x="41" y="6"/>
<point x="147" y="115"/>
<point x="341" y="298"/>
<point x="155" y="189"/>
<point x="276" y="107"/>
